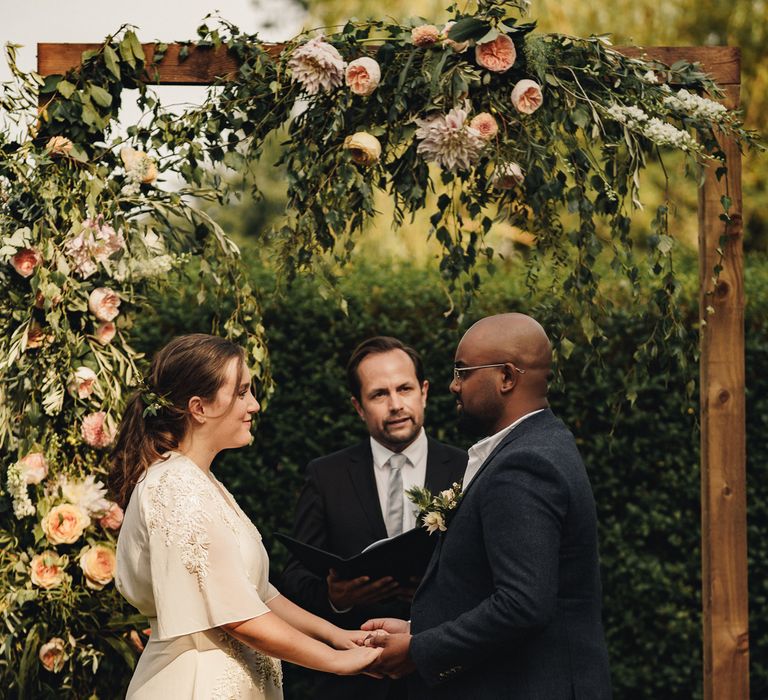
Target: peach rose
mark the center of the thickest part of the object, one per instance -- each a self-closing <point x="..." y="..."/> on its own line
<point x="25" y="261"/>
<point x="425" y="35"/>
<point x="364" y="148"/>
<point x="53" y="654"/>
<point x="104" y="303"/>
<point x="498" y="55"/>
<point x="507" y="175"/>
<point x="83" y="382"/>
<point x="457" y="46"/>
<point x="105" y="332"/>
<point x="138" y="165"/>
<point x="527" y="97"/>
<point x="95" y="430"/>
<point x="113" y="518"/>
<point x="36" y="335"/>
<point x="47" y="569"/>
<point x="363" y="76"/>
<point x="65" y="524"/>
<point x="34" y="467"/>
<point x="58" y="146"/>
<point x="485" y="125"/>
<point x="98" y="563"/>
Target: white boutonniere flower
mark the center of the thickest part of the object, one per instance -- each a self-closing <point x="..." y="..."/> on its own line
<point x="435" y="512"/>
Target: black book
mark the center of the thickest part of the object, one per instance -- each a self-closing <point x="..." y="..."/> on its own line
<point x="402" y="557"/>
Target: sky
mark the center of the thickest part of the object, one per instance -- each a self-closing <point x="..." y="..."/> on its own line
<point x="28" y="22"/>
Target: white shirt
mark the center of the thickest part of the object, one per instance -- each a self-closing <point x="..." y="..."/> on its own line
<point x="480" y="451"/>
<point x="414" y="473"/>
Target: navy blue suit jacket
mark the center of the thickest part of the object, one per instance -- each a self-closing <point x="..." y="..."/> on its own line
<point x="510" y="606"/>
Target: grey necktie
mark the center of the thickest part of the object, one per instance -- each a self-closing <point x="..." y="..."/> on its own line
<point x="394" y="515"/>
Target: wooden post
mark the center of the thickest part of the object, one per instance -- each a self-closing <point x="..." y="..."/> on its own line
<point x="723" y="443"/>
<point x="723" y="424"/>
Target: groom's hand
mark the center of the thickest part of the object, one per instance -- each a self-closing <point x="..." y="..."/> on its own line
<point x="388" y="624"/>
<point x="394" y="661"/>
<point x="346" y="593"/>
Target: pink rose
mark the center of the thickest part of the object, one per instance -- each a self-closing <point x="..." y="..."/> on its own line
<point x="485" y="125"/>
<point x="425" y="35"/>
<point x="498" y="55"/>
<point x="527" y="97"/>
<point x="457" y="46"/>
<point x="105" y="332"/>
<point x="98" y="563"/>
<point x="83" y="382"/>
<point x="47" y="569"/>
<point x="65" y="523"/>
<point x="363" y="76"/>
<point x="58" y="146"/>
<point x="25" y="261"/>
<point x="34" y="468"/>
<point x="113" y="518"/>
<point x="104" y="303"/>
<point x="53" y="654"/>
<point x="95" y="431"/>
<point x="507" y="175"/>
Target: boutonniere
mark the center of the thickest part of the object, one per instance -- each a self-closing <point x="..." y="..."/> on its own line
<point x="435" y="512"/>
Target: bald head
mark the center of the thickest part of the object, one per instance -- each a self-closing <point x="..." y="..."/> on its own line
<point x="514" y="337"/>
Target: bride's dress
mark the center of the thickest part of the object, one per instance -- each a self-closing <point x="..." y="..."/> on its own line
<point x="190" y="560"/>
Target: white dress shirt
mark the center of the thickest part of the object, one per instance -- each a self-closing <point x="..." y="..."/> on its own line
<point x="480" y="451"/>
<point x="414" y="473"/>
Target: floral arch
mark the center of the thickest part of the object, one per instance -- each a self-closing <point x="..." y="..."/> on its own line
<point x="547" y="132"/>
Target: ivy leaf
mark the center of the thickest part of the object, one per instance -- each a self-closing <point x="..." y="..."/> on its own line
<point x="136" y="48"/>
<point x="100" y="96"/>
<point x="468" y="28"/>
<point x="126" y="52"/>
<point x="111" y="62"/>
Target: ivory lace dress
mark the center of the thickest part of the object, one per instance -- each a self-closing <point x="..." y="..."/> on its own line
<point x="190" y="560"/>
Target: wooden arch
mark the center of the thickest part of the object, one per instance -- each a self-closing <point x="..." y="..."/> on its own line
<point x="722" y="373"/>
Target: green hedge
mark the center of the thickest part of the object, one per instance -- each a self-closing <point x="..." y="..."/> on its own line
<point x="643" y="460"/>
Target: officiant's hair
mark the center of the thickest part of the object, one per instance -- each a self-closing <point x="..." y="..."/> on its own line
<point x="374" y="346"/>
<point x="156" y="417"/>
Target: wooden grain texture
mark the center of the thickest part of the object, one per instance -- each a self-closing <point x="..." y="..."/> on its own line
<point x="723" y="442"/>
<point x="203" y="66"/>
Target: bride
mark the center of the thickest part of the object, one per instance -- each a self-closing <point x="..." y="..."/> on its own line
<point x="189" y="558"/>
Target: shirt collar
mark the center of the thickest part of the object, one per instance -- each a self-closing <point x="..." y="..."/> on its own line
<point x="415" y="452"/>
<point x="484" y="447"/>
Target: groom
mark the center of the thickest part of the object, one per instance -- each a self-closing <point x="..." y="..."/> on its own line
<point x="510" y="604"/>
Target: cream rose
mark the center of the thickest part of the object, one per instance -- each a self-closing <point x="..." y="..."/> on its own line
<point x="53" y="654"/>
<point x="47" y="569"/>
<point x="363" y="76"/>
<point x="113" y="518"/>
<point x="104" y="303"/>
<point x="98" y="563"/>
<point x="58" y="146"/>
<point x="65" y="524"/>
<point x="434" y="521"/>
<point x="498" y="55"/>
<point x="25" y="261"/>
<point x="95" y="430"/>
<point x="83" y="382"/>
<point x="105" y="332"/>
<point x="527" y="97"/>
<point x="425" y="35"/>
<point x="34" y="467"/>
<point x="364" y="148"/>
<point x="485" y="125"/>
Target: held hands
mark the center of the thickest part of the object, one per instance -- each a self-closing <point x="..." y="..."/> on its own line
<point x="393" y="637"/>
<point x="359" y="591"/>
<point x="350" y="662"/>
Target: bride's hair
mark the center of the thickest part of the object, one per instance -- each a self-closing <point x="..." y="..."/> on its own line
<point x="156" y="417"/>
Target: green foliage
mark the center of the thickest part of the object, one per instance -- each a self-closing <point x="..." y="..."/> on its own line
<point x="642" y="458"/>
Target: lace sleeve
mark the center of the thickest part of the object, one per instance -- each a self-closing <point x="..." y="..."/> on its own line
<point x="199" y="578"/>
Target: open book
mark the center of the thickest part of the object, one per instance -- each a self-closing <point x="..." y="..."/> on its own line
<point x="402" y="557"/>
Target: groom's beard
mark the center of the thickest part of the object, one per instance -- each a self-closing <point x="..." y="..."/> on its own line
<point x="473" y="425"/>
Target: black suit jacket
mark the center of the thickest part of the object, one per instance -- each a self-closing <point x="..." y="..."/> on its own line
<point x="510" y="605"/>
<point x="339" y="511"/>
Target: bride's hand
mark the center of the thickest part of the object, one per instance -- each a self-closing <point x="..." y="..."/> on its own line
<point x="347" y="639"/>
<point x="350" y="662"/>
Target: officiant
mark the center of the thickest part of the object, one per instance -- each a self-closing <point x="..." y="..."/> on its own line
<point x="356" y="496"/>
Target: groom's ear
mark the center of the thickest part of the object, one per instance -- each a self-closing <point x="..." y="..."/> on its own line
<point x="509" y="378"/>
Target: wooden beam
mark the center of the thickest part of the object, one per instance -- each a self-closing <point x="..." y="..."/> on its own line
<point x="203" y="66"/>
<point x="723" y="442"/>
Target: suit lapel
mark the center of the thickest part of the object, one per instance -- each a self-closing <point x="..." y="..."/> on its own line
<point x="436" y="458"/>
<point x="360" y="469"/>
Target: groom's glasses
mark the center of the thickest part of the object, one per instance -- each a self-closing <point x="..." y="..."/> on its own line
<point x="457" y="371"/>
